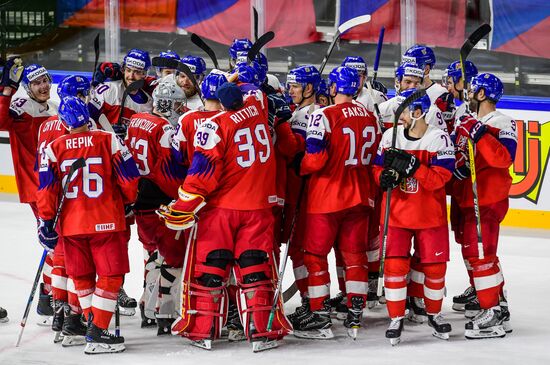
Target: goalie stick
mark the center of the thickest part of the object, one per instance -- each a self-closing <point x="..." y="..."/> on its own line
<point x="77" y="165"/>
<point x="465" y="50"/>
<point x="404" y="105"/>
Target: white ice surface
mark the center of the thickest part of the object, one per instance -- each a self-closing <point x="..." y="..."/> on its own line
<point x="525" y="260"/>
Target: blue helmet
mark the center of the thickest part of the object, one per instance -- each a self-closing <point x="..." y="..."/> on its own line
<point x="421" y="55"/>
<point x="138" y="59"/>
<point x="210" y="85"/>
<point x="454" y="71"/>
<point x="248" y="73"/>
<point x="261" y="66"/>
<point x="346" y="80"/>
<point x="423" y="103"/>
<point x="168" y="55"/>
<point x="73" y="112"/>
<point x="490" y="83"/>
<point x="303" y="75"/>
<point x="408" y="69"/>
<point x="31" y="73"/>
<point x="195" y="64"/>
<point x="239" y="49"/>
<point x="73" y="85"/>
<point x="323" y="88"/>
<point x="356" y="62"/>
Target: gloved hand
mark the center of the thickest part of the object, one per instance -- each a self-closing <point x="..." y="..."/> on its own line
<point x="471" y="127"/>
<point x="378" y="86"/>
<point x="278" y="106"/>
<point x="462" y="166"/>
<point x="47" y="235"/>
<point x="107" y="70"/>
<point x="389" y="179"/>
<point x="403" y="162"/>
<point x="181" y="214"/>
<point x="120" y="130"/>
<point x="13" y="70"/>
<point x="446" y="104"/>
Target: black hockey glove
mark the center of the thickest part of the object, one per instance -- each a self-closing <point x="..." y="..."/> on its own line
<point x="403" y="162"/>
<point x="378" y="86"/>
<point x="107" y="71"/>
<point x="278" y="106"/>
<point x="389" y="179"/>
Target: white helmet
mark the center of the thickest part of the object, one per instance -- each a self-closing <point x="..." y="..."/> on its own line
<point x="169" y="100"/>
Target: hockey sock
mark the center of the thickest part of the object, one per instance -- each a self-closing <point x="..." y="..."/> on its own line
<point x="59" y="278"/>
<point x="340" y="271"/>
<point x="395" y="285"/>
<point x="434" y="286"/>
<point x="300" y="273"/>
<point x="416" y="282"/>
<point x="487" y="281"/>
<point x="73" y="301"/>
<point x="357" y="275"/>
<point x="85" y="287"/>
<point x="105" y="298"/>
<point x="470" y="271"/>
<point x="318" y="280"/>
<point x="47" y="274"/>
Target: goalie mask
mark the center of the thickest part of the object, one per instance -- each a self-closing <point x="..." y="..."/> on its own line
<point x="169" y="101"/>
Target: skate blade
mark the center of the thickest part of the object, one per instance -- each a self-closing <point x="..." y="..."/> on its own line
<point x="324" y="334"/>
<point x="235" y="335"/>
<point x="341" y="315"/>
<point x="259" y="346"/>
<point x="416" y="318"/>
<point x="127" y="312"/>
<point x="507" y="326"/>
<point x="4" y="320"/>
<point x="202" y="344"/>
<point x="352" y="332"/>
<point x="492" y="332"/>
<point x="459" y="307"/>
<point x="45" y="321"/>
<point x="93" y="348"/>
<point x="58" y="337"/>
<point x="441" y="336"/>
<point x="395" y="341"/>
<point x="69" y="341"/>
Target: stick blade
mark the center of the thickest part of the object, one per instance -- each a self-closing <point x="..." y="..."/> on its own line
<point x="78" y="164"/>
<point x="473" y="39"/>
<point x="96" y="42"/>
<point x="259" y="44"/>
<point x="256" y="17"/>
<point x="136" y="85"/>
<point x="353" y="23"/>
<point x="163" y="62"/>
<point x="197" y="41"/>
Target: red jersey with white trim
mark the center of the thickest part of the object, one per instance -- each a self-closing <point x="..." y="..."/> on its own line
<point x="233" y="163"/>
<point x="22" y="119"/>
<point x="419" y="201"/>
<point x="149" y="139"/>
<point x="97" y="194"/>
<point x="340" y="146"/>
<point x="106" y="100"/>
<point x="186" y="129"/>
<point x="495" y="153"/>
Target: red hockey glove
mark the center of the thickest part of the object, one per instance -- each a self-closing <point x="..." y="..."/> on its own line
<point x="471" y="127"/>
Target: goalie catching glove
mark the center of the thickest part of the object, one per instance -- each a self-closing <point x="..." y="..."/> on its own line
<point x="180" y="214"/>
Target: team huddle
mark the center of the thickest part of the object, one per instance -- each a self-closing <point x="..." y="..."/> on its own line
<point x="228" y="172"/>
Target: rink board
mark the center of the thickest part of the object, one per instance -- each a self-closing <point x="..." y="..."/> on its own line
<point x="530" y="192"/>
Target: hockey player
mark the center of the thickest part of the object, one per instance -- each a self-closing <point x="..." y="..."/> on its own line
<point x="323" y="98"/>
<point x="67" y="311"/>
<point x="192" y="92"/>
<point x="495" y="137"/>
<point x="363" y="95"/>
<point x="149" y="138"/>
<point x="238" y="51"/>
<point x="21" y="117"/>
<point x="95" y="242"/>
<point x="419" y="166"/>
<point x="454" y="83"/>
<point x="164" y="71"/>
<point x="341" y="141"/>
<point x="106" y="99"/>
<point x="233" y="152"/>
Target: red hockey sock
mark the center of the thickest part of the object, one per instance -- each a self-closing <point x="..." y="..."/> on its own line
<point x="416" y="279"/>
<point x="434" y="286"/>
<point x="85" y="287"/>
<point x="487" y="280"/>
<point x="318" y="280"/>
<point x="47" y="274"/>
<point x="357" y="275"/>
<point x="340" y="272"/>
<point x="59" y="278"/>
<point x="395" y="285"/>
<point x="104" y="299"/>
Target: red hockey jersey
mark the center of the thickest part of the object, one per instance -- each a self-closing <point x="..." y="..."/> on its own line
<point x="186" y="129"/>
<point x="22" y="119"/>
<point x="340" y="146"/>
<point x="419" y="201"/>
<point x="233" y="163"/>
<point x="96" y="195"/>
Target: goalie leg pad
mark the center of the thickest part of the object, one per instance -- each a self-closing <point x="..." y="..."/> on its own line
<point x="168" y="288"/>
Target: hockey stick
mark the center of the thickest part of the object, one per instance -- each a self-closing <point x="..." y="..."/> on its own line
<point x="134" y="86"/>
<point x="253" y="51"/>
<point x="341" y="29"/>
<point x="369" y="86"/>
<point x="77" y="165"/>
<point x="197" y="41"/>
<point x="96" y="50"/>
<point x="255" y="24"/>
<point x="404" y="105"/>
<point x="465" y="50"/>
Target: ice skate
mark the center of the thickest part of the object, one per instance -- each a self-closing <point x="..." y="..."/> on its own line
<point x="417" y="310"/>
<point x="3" y="315"/>
<point x="44" y="308"/>
<point x="460" y="301"/>
<point x="441" y="329"/>
<point x="315" y="325"/>
<point x="393" y="333"/>
<point x="100" y="341"/>
<point x="205" y="344"/>
<point x="235" y="330"/>
<point x="300" y="311"/>
<point x="58" y="316"/>
<point x="472" y="309"/>
<point x="58" y="337"/>
<point x="487" y="324"/>
<point x="342" y="310"/>
<point x="146" y="321"/>
<point x="505" y="316"/>
<point x="259" y="346"/>
<point x="74" y="331"/>
<point x="335" y="301"/>
<point x="354" y="317"/>
<point x="127" y="305"/>
<point x="372" y="296"/>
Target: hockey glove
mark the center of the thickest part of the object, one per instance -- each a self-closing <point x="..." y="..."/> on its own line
<point x="446" y="104"/>
<point x="378" y="86"/>
<point x="180" y="214"/>
<point x="472" y="127"/>
<point x="107" y="71"/>
<point x="389" y="179"/>
<point x="403" y="162"/>
<point x="11" y="76"/>
<point x="120" y="130"/>
<point x="47" y="235"/>
<point x="278" y="106"/>
<point x="462" y="166"/>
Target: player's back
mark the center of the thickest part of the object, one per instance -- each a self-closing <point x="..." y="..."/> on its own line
<point x="96" y="196"/>
<point x="186" y="129"/>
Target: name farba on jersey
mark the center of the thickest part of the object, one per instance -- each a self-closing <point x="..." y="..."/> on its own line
<point x="248" y="112"/>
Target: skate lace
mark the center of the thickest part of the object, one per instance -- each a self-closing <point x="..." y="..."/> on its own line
<point x="395" y="323"/>
<point x="483" y="316"/>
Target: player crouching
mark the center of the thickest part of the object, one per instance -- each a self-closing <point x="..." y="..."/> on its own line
<point x="419" y="165"/>
<point x="233" y="153"/>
